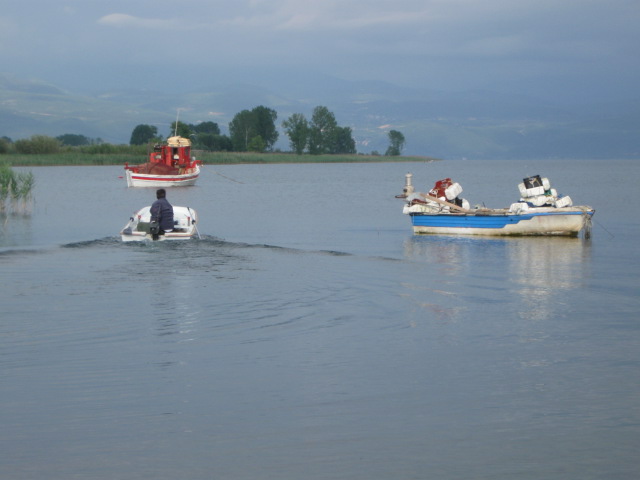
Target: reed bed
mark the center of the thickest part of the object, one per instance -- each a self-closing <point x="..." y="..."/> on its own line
<point x="222" y="158"/>
<point x="211" y="158"/>
<point x="16" y="190"/>
<point x="71" y="159"/>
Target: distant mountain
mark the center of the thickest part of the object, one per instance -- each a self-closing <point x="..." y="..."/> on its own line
<point x="477" y="124"/>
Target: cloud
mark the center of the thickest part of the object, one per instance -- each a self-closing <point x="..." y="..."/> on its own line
<point x="129" y="21"/>
<point x="301" y="15"/>
<point x="432" y="43"/>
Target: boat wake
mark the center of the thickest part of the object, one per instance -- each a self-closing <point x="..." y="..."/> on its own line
<point x="205" y="242"/>
<point x="98" y="242"/>
<point x="12" y="251"/>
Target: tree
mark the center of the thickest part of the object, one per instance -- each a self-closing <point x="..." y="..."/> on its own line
<point x="297" y="129"/>
<point x="265" y="119"/>
<point x="241" y="130"/>
<point x="396" y="140"/>
<point x="207" y="136"/>
<point x="181" y="130"/>
<point x="224" y="143"/>
<point x="214" y="143"/>
<point x="206" y="127"/>
<point x="326" y="136"/>
<point x="249" y="124"/>
<point x="340" y="140"/>
<point x="73" y="140"/>
<point x="5" y="145"/>
<point x="256" y="144"/>
<point x="143" y="134"/>
<point x="322" y="125"/>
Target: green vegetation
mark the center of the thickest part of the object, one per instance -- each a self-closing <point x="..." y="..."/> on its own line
<point x="82" y="157"/>
<point x="222" y="158"/>
<point x="38" y="145"/>
<point x="15" y="189"/>
<point x="252" y="136"/>
<point x="75" y="140"/>
<point x="254" y="130"/>
<point x="321" y="135"/>
<point x="396" y="143"/>
<point x="96" y="154"/>
<point x="297" y="129"/>
<point x="143" y="134"/>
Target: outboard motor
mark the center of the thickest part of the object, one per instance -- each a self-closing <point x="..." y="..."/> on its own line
<point x="154" y="229"/>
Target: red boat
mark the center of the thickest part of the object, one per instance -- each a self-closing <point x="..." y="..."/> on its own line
<point x="169" y="165"/>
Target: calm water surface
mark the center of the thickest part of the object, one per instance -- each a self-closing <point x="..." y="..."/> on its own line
<point x="309" y="335"/>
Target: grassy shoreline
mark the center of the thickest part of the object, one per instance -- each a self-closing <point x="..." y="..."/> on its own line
<point x="208" y="158"/>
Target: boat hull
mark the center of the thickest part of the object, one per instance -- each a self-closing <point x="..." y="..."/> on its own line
<point x="544" y="221"/>
<point x="137" y="228"/>
<point x="151" y="180"/>
<point x="146" y="237"/>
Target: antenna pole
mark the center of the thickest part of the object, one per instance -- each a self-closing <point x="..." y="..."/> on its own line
<point x="175" y="133"/>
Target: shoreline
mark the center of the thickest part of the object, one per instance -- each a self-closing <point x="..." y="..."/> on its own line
<point x="219" y="158"/>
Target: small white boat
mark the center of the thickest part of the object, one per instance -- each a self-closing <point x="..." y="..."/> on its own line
<point x="540" y="211"/>
<point x="139" y="228"/>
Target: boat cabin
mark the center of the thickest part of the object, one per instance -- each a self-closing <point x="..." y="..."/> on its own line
<point x="175" y="153"/>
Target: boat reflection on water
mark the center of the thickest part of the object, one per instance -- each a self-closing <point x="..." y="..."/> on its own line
<point x="536" y="270"/>
<point x="546" y="268"/>
<point x="432" y="292"/>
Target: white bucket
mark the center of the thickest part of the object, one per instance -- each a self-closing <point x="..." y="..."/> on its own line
<point x="564" y="202"/>
<point x="519" y="207"/>
<point x="453" y="191"/>
<point x="540" y="200"/>
<point x="530" y="192"/>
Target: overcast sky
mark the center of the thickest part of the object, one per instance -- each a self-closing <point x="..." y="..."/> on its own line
<point x="555" y="47"/>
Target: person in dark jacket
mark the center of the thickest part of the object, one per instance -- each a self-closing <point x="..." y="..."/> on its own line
<point x="162" y="212"/>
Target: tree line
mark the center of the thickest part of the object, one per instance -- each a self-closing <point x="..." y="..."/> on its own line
<point x="249" y="131"/>
<point x="255" y="131"/>
<point x="44" y="144"/>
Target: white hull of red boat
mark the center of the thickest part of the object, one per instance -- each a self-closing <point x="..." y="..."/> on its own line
<point x="137" y="228"/>
<point x="151" y="180"/>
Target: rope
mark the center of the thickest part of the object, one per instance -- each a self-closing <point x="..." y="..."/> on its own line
<point x="228" y="178"/>
<point x="602" y="226"/>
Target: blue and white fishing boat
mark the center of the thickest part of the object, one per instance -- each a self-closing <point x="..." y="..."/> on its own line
<point x="540" y="211"/>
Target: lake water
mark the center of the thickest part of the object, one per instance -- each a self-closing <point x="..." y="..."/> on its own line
<point x="310" y="335"/>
